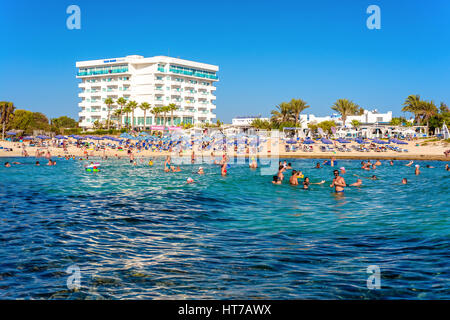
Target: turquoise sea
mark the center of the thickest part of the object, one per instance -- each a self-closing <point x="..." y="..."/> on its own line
<point x="136" y="232"/>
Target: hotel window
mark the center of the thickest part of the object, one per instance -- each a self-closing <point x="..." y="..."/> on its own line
<point x="149" y="120"/>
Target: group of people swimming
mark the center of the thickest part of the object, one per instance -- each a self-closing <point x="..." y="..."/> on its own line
<point x="338" y="183"/>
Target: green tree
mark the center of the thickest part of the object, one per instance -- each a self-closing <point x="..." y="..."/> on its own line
<point x="127" y="110"/>
<point x="261" y="124"/>
<point x="282" y="113"/>
<point x="132" y="105"/>
<point x="297" y="106"/>
<point x="427" y="110"/>
<point x="345" y="108"/>
<point x="6" y="115"/>
<point x="355" y="123"/>
<point x="62" y="123"/>
<point x="118" y="114"/>
<point x="121" y="102"/>
<point x="156" y="111"/>
<point x="109" y="102"/>
<point x="22" y="120"/>
<point x="172" y="107"/>
<point x="144" y="107"/>
<point x="413" y="105"/>
<point x="327" y="125"/>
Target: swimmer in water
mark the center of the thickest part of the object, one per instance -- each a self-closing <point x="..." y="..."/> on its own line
<point x="374" y="177"/>
<point x="307" y="183"/>
<point x="342" y="170"/>
<point x="276" y="180"/>
<point x="428" y="166"/>
<point x="175" y="170"/>
<point x="391" y="163"/>
<point x="417" y="171"/>
<point x="37" y="163"/>
<point x="190" y="180"/>
<point x="357" y="183"/>
<point x="223" y="169"/>
<point x="293" y="179"/>
<point x="338" y="182"/>
<point x="253" y="164"/>
<point x="280" y="174"/>
<point x="447" y="168"/>
<point x="200" y="170"/>
<point x="409" y="164"/>
<point x="7" y="165"/>
<point x="289" y="166"/>
<point x="318" y="165"/>
<point x="378" y="163"/>
<point x="404" y="181"/>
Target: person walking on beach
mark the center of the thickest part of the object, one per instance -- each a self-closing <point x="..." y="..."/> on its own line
<point x="338" y="182"/>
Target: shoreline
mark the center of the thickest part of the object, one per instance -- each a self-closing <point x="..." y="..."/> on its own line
<point x="280" y="156"/>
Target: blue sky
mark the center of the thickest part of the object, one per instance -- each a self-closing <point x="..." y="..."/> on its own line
<point x="268" y="51"/>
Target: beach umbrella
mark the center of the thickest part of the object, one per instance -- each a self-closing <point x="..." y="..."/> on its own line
<point x="308" y="141"/>
<point x="326" y="141"/>
<point x="291" y="141"/>
<point x="28" y="138"/>
<point x="11" y="133"/>
<point x="341" y="140"/>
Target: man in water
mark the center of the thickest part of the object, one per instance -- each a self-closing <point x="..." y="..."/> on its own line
<point x="253" y="164"/>
<point x="293" y="179"/>
<point x="276" y="180"/>
<point x="447" y="168"/>
<point x="391" y="163"/>
<point x="223" y="169"/>
<point x="289" y="166"/>
<point x="417" y="171"/>
<point x="200" y="171"/>
<point x="318" y="165"/>
<point x="404" y="181"/>
<point x="357" y="183"/>
<point x="280" y="174"/>
<point x="7" y="165"/>
<point x="378" y="163"/>
<point x="338" y="182"/>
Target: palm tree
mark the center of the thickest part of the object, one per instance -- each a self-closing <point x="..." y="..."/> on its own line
<point x="156" y="111"/>
<point x="132" y="105"/>
<point x="121" y="102"/>
<point x="346" y="108"/>
<point x="297" y="106"/>
<point x="144" y="107"/>
<point x="164" y="110"/>
<point x="413" y="104"/>
<point x="118" y="113"/>
<point x="7" y="113"/>
<point x="172" y="107"/>
<point x="109" y="102"/>
<point x="126" y="110"/>
<point x="443" y="108"/>
<point x="283" y="113"/>
<point x="427" y="110"/>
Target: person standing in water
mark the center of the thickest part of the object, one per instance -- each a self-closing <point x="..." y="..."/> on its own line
<point x="338" y="182"/>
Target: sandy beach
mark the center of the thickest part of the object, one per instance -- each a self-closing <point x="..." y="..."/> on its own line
<point x="432" y="150"/>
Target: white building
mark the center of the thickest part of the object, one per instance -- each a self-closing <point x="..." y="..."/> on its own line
<point x="369" y="117"/>
<point x="158" y="81"/>
<point x="246" y="121"/>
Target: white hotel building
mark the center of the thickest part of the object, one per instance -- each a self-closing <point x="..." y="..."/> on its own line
<point x="158" y="81"/>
